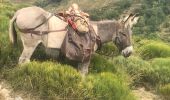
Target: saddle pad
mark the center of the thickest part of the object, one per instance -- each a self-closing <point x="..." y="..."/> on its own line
<point x="55" y="39"/>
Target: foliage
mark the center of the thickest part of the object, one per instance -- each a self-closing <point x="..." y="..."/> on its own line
<point x="107" y="86"/>
<point x="161" y="71"/>
<point x="165" y="91"/>
<point x="46" y="79"/>
<point x="8" y="53"/>
<point x="54" y="81"/>
<point x="110" y="11"/>
<point x="153" y="13"/>
<point x="44" y="3"/>
<point x="108" y="49"/>
<point x="135" y="67"/>
<point x="154" y="49"/>
<point x="101" y="64"/>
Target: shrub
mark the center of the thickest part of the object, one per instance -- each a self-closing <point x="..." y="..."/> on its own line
<point x="154" y="50"/>
<point x="101" y="64"/>
<point x="55" y="81"/>
<point x="153" y="14"/>
<point x="106" y="86"/>
<point x="135" y="67"/>
<point x="46" y="79"/>
<point x="4" y="23"/>
<point x="109" y="50"/>
<point x="165" y="91"/>
<point x="161" y="71"/>
<point x="110" y="11"/>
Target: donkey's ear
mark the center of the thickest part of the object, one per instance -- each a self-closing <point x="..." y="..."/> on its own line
<point x="127" y="18"/>
<point x="124" y="18"/>
<point x="132" y="20"/>
<point x="135" y="19"/>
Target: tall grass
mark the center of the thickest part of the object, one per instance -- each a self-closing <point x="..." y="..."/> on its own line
<point x="54" y="81"/>
<point x="154" y="50"/>
<point x="161" y="71"/>
<point x="46" y="79"/>
<point x="135" y="67"/>
<point x="165" y="91"/>
<point x="7" y="53"/>
<point x="109" y="50"/>
<point x="101" y="64"/>
<point x="107" y="86"/>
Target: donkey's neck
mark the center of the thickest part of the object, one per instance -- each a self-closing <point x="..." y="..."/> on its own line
<point x="106" y="30"/>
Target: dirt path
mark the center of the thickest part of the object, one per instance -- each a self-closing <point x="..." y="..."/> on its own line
<point x="142" y="94"/>
<point x="6" y="92"/>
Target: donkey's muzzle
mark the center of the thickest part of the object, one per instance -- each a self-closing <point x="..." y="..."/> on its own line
<point x="127" y="51"/>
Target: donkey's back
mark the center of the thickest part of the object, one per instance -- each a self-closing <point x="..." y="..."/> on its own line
<point x="30" y="17"/>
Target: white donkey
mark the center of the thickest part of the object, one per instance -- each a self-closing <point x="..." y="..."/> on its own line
<point x="33" y="22"/>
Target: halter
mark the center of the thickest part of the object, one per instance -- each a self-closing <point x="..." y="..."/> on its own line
<point x="117" y="35"/>
<point x="117" y="40"/>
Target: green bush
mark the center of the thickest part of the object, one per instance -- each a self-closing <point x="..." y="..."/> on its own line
<point x="135" y="67"/>
<point x="109" y="50"/>
<point x="54" y="81"/>
<point x="110" y="11"/>
<point x="107" y="86"/>
<point x="165" y="91"/>
<point x="101" y="64"/>
<point x="46" y="79"/>
<point x="161" y="71"/>
<point x="153" y="14"/>
<point x="4" y="23"/>
<point x="154" y="50"/>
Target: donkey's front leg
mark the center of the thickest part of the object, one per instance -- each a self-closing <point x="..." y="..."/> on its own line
<point x="83" y="67"/>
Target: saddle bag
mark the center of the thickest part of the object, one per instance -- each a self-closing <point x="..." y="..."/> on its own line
<point x="76" y="46"/>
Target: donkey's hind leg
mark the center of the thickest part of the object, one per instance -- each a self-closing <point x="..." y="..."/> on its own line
<point x="29" y="45"/>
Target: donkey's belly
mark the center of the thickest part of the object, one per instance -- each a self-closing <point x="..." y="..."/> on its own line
<point x="54" y="53"/>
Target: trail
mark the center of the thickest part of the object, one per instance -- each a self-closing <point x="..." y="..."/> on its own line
<point x="7" y="93"/>
<point x="142" y="94"/>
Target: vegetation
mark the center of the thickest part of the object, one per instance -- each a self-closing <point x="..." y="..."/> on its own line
<point x="153" y="13"/>
<point x="165" y="91"/>
<point x="110" y="76"/>
<point x="55" y="81"/>
<point x="154" y="49"/>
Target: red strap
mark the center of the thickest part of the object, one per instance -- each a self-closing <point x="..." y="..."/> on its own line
<point x="73" y="25"/>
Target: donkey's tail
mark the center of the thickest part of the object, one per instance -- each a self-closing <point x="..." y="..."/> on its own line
<point x="12" y="30"/>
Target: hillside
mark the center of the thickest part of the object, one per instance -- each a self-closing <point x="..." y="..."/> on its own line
<point x="110" y="76"/>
